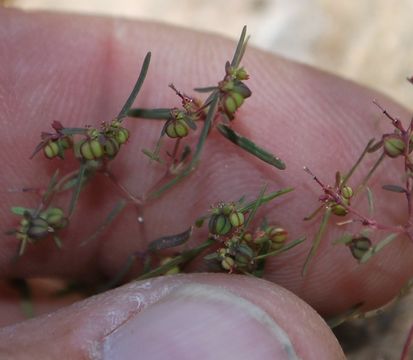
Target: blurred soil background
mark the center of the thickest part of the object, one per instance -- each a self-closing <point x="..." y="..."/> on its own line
<point x="370" y="42"/>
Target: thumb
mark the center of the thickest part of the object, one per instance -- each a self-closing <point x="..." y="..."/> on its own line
<point x="203" y="316"/>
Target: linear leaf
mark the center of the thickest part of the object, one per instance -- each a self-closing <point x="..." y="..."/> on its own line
<point x="206" y="89"/>
<point x="141" y="78"/>
<point x="166" y="242"/>
<point x="317" y="240"/>
<point x="286" y="247"/>
<point x="344" y="239"/>
<point x="257" y="204"/>
<point x="178" y="260"/>
<point x="77" y="189"/>
<point x="250" y="147"/>
<point x="20" y="211"/>
<point x="354" y="167"/>
<point x="394" y="188"/>
<point x="155" y="114"/>
<point x="370" y="200"/>
<point x="264" y="199"/>
<point x="239" y="51"/>
<point x="113" y="214"/>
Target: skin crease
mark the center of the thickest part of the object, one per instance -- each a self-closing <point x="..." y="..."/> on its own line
<point x="82" y="71"/>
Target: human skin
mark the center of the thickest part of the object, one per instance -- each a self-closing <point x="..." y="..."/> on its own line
<point x="79" y="70"/>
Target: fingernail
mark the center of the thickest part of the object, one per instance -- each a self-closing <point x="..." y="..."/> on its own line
<point x="199" y="322"/>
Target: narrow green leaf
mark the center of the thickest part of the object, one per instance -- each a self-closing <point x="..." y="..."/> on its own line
<point x="378" y="247"/>
<point x="113" y="214"/>
<point x="370" y="174"/>
<point x="257" y="204"/>
<point x="394" y="188"/>
<point x="353" y="312"/>
<point x="20" y="211"/>
<point x="285" y="248"/>
<point x="57" y="241"/>
<point x="186" y="256"/>
<point x="77" y="189"/>
<point x="212" y="256"/>
<point x="241" y="46"/>
<point x="314" y="213"/>
<point x="354" y="167"/>
<point x="117" y="279"/>
<point x="265" y="199"/>
<point x="25" y="292"/>
<point x="152" y="155"/>
<point x="154" y="114"/>
<point x="370" y="200"/>
<point x="250" y="147"/>
<point x="141" y="78"/>
<point x="166" y="242"/>
<point x="376" y="146"/>
<point x="51" y="187"/>
<point x="344" y="239"/>
<point x="73" y="131"/>
<point x="206" y="89"/>
<point x="317" y="240"/>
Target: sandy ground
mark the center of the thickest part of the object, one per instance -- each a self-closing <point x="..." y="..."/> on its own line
<point x="368" y="41"/>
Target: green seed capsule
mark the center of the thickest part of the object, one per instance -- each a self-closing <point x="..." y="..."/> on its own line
<point x="238" y="98"/>
<point x="55" y="217"/>
<point x="359" y="246"/>
<point x="51" y="150"/>
<point x="230" y="105"/>
<point x="347" y="192"/>
<point x="219" y="225"/>
<point x="236" y="219"/>
<point x="111" y="148"/>
<point x="39" y="228"/>
<point x="339" y="210"/>
<point x="177" y="129"/>
<point x="393" y="146"/>
<point x="228" y="263"/>
<point x="91" y="149"/>
<point x="278" y="237"/>
<point x="122" y="135"/>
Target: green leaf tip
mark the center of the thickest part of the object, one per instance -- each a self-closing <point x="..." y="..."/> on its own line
<point x="249" y="146"/>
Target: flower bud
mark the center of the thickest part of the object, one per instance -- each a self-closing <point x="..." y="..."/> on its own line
<point x="359" y="246"/>
<point x="219" y="224"/>
<point x="228" y="263"/>
<point x="236" y="219"/>
<point x="278" y="237"/>
<point x="393" y="146"/>
<point x="241" y="74"/>
<point x="39" y="228"/>
<point x="91" y="149"/>
<point x="51" y="149"/>
<point x="177" y="129"/>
